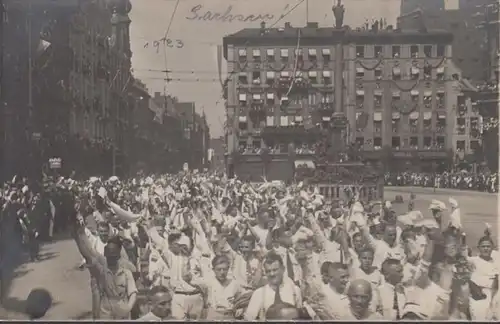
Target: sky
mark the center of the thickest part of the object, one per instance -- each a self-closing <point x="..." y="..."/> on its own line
<point x="194" y="35"/>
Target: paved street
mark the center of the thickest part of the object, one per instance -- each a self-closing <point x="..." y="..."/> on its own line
<point x="70" y="287"/>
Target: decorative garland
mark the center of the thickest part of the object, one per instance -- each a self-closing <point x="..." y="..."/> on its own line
<point x="300" y="66"/>
<point x="240" y="68"/>
<point x="270" y="67"/>
<point x="426" y="63"/>
<point x="380" y="60"/>
<point x="417" y="82"/>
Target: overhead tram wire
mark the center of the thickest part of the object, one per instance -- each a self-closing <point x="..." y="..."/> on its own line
<point x="287" y="13"/>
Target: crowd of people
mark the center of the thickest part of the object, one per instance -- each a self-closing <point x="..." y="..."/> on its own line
<point x="485" y="182"/>
<point x="200" y="246"/>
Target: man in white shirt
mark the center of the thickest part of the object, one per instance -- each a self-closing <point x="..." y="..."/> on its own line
<point x="393" y="294"/>
<point x="280" y="289"/>
<point x="160" y="300"/>
<point x="387" y="247"/>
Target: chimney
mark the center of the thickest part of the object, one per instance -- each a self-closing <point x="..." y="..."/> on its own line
<point x="288" y="25"/>
<point x="312" y="25"/>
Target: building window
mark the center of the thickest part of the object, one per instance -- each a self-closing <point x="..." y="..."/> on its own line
<point x="474" y="145"/>
<point x="360" y="51"/>
<point x="313" y="77"/>
<point x="396" y="73"/>
<point x="377" y="96"/>
<point x="413" y="121"/>
<point x="414" y="51"/>
<point x="360" y="73"/>
<point x="461" y="126"/>
<point x="428" y="50"/>
<point x="427" y="142"/>
<point x="270" y="99"/>
<point x="256" y="55"/>
<point x="440" y="100"/>
<point x="256" y="77"/>
<point x="326" y="54"/>
<point x="270" y="76"/>
<point x="414" y="143"/>
<point x="460" y="145"/>
<point x="242" y="54"/>
<point x="327" y="77"/>
<point x="243" y="125"/>
<point x="427" y="121"/>
<point x="377" y="143"/>
<point x="395" y="125"/>
<point x="242" y="78"/>
<point x="396" y="51"/>
<point x="270" y="55"/>
<point x="284" y="55"/>
<point x="312" y="54"/>
<point x="440" y="51"/>
<point x="360" y="141"/>
<point x="440" y="142"/>
<point x="427" y="99"/>
<point x="299" y="54"/>
<point x="378" y="74"/>
<point x="377" y="126"/>
<point x="396" y="142"/>
<point x="360" y="98"/>
<point x="243" y="99"/>
<point x="378" y="51"/>
<point x="441" y="123"/>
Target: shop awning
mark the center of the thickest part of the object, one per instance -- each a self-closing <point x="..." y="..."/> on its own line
<point x="312" y="52"/>
<point x="242" y="52"/>
<point x="414" y="92"/>
<point x="269" y="121"/>
<point x="427" y="93"/>
<point x="377" y="92"/>
<point x="360" y="93"/>
<point x="298" y="119"/>
<point x="325" y="51"/>
<point x="427" y="115"/>
<point x="270" y="95"/>
<point x="441" y="115"/>
<point x="270" y="52"/>
<point x="242" y="119"/>
<point x="270" y="74"/>
<point x="256" y="96"/>
<point x="377" y="116"/>
<point x="243" y="97"/>
<point x="256" y="53"/>
<point x="360" y="70"/>
<point x="414" y="115"/>
<point x="284" y="52"/>
<point x="440" y="70"/>
<point x="396" y="115"/>
<point x="284" y="121"/>
<point x="327" y="74"/>
<point x="285" y="74"/>
<point x="396" y="94"/>
<point x="326" y="118"/>
<point x="313" y="74"/>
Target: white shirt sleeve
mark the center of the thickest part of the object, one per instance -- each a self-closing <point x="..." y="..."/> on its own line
<point x="254" y="306"/>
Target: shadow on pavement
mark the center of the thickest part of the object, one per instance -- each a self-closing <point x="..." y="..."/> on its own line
<point x="15" y="306"/>
<point x="83" y="316"/>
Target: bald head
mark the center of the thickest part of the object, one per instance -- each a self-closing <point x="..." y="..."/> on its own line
<point x="359" y="287"/>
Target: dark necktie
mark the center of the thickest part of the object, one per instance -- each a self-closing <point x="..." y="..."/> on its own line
<point x="277" y="295"/>
<point x="249" y="271"/>
<point x="289" y="266"/>
<point x="396" y="304"/>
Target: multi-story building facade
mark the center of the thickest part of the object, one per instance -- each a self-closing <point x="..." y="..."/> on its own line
<point x="473" y="26"/>
<point x="100" y="78"/>
<point x="393" y="86"/>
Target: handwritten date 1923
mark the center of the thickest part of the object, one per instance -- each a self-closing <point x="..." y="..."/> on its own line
<point x="171" y="43"/>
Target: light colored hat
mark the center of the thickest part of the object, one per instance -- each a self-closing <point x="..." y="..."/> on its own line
<point x="113" y="178"/>
<point x="415" y="309"/>
<point x="453" y="202"/>
<point x="415" y="216"/>
<point x="437" y="205"/>
<point x="357" y="207"/>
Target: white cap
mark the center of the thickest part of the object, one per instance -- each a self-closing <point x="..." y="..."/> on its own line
<point x="437" y="205"/>
<point x="453" y="202"/>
